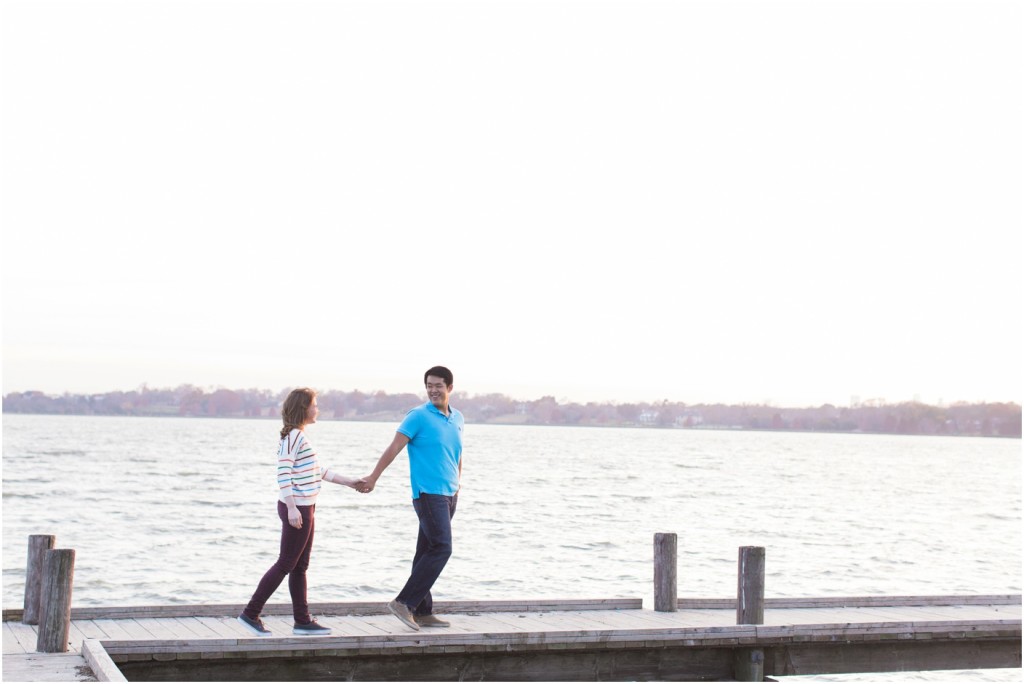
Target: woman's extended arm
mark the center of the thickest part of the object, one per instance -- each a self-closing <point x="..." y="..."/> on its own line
<point x="338" y="478"/>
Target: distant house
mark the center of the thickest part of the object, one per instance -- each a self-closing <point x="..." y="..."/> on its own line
<point x="689" y="418"/>
<point x="648" y="417"/>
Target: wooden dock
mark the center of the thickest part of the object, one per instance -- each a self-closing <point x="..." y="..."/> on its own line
<point x="529" y="640"/>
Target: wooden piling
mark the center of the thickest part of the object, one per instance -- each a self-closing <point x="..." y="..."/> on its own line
<point x="750" y="588"/>
<point x="38" y="544"/>
<point x="55" y="606"/>
<point x="748" y="663"/>
<point x="665" y="570"/>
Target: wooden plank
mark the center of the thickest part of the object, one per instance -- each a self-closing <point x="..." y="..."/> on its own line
<point x="197" y="628"/>
<point x="960" y="612"/>
<point x="838" y="615"/>
<point x="797" y="616"/>
<point x="135" y="629"/>
<point x="568" y="622"/>
<point x="25" y="635"/>
<point x="47" y="667"/>
<point x="111" y="629"/>
<point x="859" y="616"/>
<point x="11" y="644"/>
<point x="537" y="605"/>
<point x="160" y="628"/>
<point x="705" y="618"/>
<point x="596" y="621"/>
<point x="12" y="614"/>
<point x="605" y="620"/>
<point x="952" y="612"/>
<point x="460" y="624"/>
<point x="89" y="629"/>
<point x="977" y="613"/>
<point x="856" y="601"/>
<point x="911" y="613"/>
<point x="340" y="608"/>
<point x="641" y="620"/>
<point x="519" y="622"/>
<point x="488" y="623"/>
<point x="280" y="626"/>
<point x="180" y="629"/>
<point x="531" y="625"/>
<point x="681" y="618"/>
<point x="860" y="630"/>
<point x="224" y="628"/>
<point x="100" y="662"/>
<point x="898" y="655"/>
<point x="353" y="625"/>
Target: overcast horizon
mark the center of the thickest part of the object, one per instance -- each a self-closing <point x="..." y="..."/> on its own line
<point x="794" y="203"/>
<point x="851" y="402"/>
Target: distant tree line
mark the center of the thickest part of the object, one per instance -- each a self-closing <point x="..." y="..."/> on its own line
<point x="912" y="418"/>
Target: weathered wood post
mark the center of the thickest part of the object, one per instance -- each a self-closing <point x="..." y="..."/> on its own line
<point x="749" y="662"/>
<point x="55" y="608"/>
<point x="38" y="544"/>
<point x="665" y="569"/>
<point x="750" y="589"/>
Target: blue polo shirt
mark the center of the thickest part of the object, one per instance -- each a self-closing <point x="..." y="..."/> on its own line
<point x="435" y="447"/>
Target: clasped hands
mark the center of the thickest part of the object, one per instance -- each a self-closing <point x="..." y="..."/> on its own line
<point x="364" y="485"/>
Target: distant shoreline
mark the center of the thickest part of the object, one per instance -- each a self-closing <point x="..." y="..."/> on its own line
<point x="910" y="418"/>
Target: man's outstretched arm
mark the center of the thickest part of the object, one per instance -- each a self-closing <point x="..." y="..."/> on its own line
<point x="395" y="448"/>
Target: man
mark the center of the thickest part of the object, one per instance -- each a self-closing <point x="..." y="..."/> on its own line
<point x="433" y="433"/>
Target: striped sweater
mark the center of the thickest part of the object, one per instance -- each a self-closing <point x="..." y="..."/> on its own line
<point x="298" y="472"/>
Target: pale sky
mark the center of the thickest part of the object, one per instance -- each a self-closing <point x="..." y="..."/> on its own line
<point x="796" y="202"/>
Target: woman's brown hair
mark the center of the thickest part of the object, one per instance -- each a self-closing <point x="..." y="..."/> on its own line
<point x="295" y="409"/>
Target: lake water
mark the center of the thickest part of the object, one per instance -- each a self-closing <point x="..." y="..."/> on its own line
<point x="182" y="510"/>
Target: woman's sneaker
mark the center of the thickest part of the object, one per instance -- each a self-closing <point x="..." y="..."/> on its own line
<point x="255" y="626"/>
<point x="310" y="628"/>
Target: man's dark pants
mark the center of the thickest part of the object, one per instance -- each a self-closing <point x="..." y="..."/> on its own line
<point x="433" y="549"/>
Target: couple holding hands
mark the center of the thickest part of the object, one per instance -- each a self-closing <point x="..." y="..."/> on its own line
<point x="433" y="434"/>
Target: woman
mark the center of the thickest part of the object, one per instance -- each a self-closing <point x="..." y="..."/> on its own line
<point x="298" y="477"/>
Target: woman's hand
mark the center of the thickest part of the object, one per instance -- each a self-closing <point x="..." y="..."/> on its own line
<point x="295" y="518"/>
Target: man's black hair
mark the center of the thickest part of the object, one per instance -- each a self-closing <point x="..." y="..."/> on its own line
<point x="440" y="372"/>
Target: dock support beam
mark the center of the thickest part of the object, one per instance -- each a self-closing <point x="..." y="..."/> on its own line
<point x="665" y="569"/>
<point x="55" y="610"/>
<point x="38" y="544"/>
<point x="749" y="662"/>
<point x="750" y="588"/>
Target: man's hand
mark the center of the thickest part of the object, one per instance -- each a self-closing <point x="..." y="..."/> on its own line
<point x="367" y="484"/>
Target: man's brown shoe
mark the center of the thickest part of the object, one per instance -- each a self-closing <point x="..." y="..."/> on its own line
<point x="402" y="612"/>
<point x="431" y="621"/>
